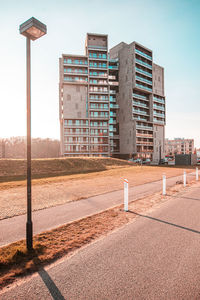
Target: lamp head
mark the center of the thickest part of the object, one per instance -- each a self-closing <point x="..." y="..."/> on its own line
<point x="33" y="29"/>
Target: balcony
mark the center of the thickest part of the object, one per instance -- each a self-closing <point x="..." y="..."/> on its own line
<point x="140" y="104"/>
<point x="76" y="73"/>
<point x="143" y="80"/>
<point x="143" y="87"/>
<point x="112" y="92"/>
<point x="159" y="121"/>
<point x="113" y="67"/>
<point x="98" y="92"/>
<point x="140" y="97"/>
<point x="159" y="100"/>
<point x="143" y="54"/>
<point x="112" y="77"/>
<point x="73" y="80"/>
<point x="144" y="127"/>
<point x="143" y="63"/>
<point x="94" y="47"/>
<point x="144" y="135"/>
<point x="98" y="75"/>
<point x="159" y="107"/>
<point x="98" y="66"/>
<point x="144" y="143"/>
<point x="112" y="129"/>
<point x="143" y="72"/>
<point x="99" y="82"/>
<point x="76" y="63"/>
<point x="113" y="83"/>
<point x="112" y="122"/>
<point x="94" y="56"/>
<point x="140" y="112"/>
<point x="140" y="119"/>
<point x="99" y="108"/>
<point x="158" y="114"/>
<point x="113" y="100"/>
<point x="114" y="105"/>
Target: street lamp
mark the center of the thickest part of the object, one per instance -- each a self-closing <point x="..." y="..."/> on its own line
<point x="32" y="29"/>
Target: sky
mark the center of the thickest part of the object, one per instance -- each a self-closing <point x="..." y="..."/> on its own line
<point x="170" y="28"/>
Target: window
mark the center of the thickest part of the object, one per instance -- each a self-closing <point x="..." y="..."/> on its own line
<point x="68" y="97"/>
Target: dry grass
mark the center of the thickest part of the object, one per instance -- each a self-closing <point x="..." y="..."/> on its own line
<point x="15" y="169"/>
<point x="15" y="261"/>
<point x="48" y="192"/>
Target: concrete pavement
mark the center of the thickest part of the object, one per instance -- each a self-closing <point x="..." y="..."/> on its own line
<point x="13" y="229"/>
<point x="154" y="257"/>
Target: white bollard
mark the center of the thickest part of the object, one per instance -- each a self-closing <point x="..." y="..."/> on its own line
<point x="197" y="174"/>
<point x="125" y="195"/>
<point x="164" y="184"/>
<point x="184" y="178"/>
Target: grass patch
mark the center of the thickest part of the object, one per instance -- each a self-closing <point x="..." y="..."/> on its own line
<point x="15" y="261"/>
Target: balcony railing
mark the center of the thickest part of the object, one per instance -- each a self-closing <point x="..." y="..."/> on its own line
<point x="143" y="72"/>
<point x="143" y="63"/>
<point x="113" y="67"/>
<point x="159" y="115"/>
<point x="139" y="96"/>
<point x="137" y="111"/>
<point x="97" y="47"/>
<point x="78" y="63"/>
<point x="159" y="107"/>
<point x="140" y="104"/>
<point x="112" y="122"/>
<point x="114" y="105"/>
<point x="143" y="87"/>
<point x="112" y="92"/>
<point x="144" y="127"/>
<point x="140" y="119"/>
<point x="158" y="121"/>
<point x="143" y="54"/>
<point x="143" y="80"/>
<point x="159" y="100"/>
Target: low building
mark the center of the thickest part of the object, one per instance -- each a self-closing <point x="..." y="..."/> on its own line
<point x="179" y="146"/>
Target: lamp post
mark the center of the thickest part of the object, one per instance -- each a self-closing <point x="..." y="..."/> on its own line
<point x="32" y="29"/>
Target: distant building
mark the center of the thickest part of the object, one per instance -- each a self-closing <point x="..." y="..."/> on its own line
<point x="112" y="103"/>
<point x="179" y="146"/>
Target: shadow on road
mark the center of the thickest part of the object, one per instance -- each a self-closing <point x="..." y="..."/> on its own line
<point x="197" y="199"/>
<point x="54" y="291"/>
<point x="165" y="222"/>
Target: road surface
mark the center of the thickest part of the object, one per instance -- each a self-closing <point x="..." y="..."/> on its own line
<point x="154" y="257"/>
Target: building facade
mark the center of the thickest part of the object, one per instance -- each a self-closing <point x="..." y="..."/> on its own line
<point x="179" y="146"/>
<point x="112" y="103"/>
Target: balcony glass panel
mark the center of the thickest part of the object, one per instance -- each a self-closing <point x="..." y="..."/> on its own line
<point x="143" y="79"/>
<point x="143" y="72"/>
<point x="143" y="63"/>
<point x="143" y="54"/>
<point x="143" y="87"/>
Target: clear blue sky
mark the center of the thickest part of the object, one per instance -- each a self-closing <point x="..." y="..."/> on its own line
<point x="170" y="28"/>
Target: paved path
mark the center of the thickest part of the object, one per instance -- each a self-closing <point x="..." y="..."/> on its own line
<point x="154" y="257"/>
<point x="13" y="229"/>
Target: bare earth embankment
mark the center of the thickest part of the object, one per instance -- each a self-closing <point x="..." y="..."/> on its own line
<point x="96" y="176"/>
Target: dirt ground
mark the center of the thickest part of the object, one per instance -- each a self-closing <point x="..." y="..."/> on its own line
<point x="59" y="190"/>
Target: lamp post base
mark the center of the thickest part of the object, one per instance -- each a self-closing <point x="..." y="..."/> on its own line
<point x="29" y="235"/>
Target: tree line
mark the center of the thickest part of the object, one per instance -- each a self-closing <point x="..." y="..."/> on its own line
<point x="15" y="147"/>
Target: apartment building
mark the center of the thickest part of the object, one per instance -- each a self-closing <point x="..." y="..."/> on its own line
<point x="112" y="103"/>
<point x="179" y="146"/>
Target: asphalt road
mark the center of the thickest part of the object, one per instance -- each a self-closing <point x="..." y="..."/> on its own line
<point x="13" y="229"/>
<point x="154" y="257"/>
